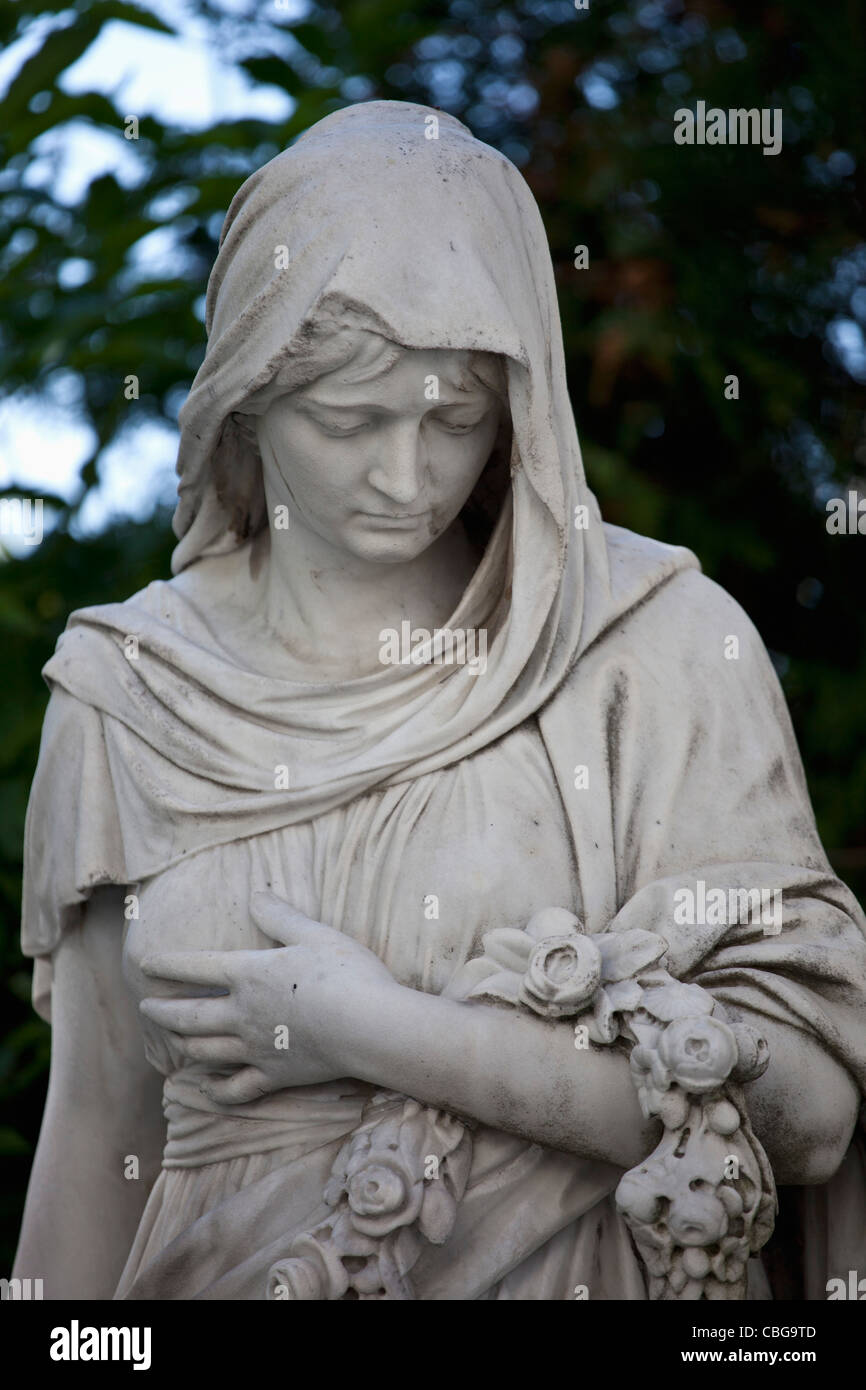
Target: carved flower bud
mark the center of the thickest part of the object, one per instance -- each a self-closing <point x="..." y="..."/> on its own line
<point x="674" y="1109"/>
<point x="723" y="1118"/>
<point x="637" y="1197"/>
<point x="552" y="921"/>
<point x="699" y="1052"/>
<point x="696" y="1262"/>
<point x="563" y="975"/>
<point x="296" y="1280"/>
<point x="753" y="1053"/>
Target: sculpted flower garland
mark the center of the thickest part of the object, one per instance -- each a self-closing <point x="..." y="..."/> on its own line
<point x="395" y="1183"/>
<point x="705" y="1199"/>
<point x="697" y="1207"/>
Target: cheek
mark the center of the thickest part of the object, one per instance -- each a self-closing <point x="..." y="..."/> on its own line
<point x="456" y="463"/>
<point x="318" y="474"/>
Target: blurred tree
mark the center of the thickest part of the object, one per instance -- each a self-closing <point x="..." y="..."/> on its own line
<point x="701" y="262"/>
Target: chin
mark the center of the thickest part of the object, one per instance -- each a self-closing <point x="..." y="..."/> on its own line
<point x="391" y="551"/>
<point x="389" y="547"/>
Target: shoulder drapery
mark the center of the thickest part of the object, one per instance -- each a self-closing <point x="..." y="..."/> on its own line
<point x="147" y="761"/>
<point x="73" y="838"/>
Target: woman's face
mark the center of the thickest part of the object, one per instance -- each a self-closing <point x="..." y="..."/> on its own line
<point x="381" y="468"/>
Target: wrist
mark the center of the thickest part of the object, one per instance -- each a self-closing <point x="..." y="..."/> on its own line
<point x="365" y="1023"/>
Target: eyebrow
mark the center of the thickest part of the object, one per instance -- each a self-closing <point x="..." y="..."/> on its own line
<point x="472" y="400"/>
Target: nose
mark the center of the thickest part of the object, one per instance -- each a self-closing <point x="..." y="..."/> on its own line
<point x="399" y="468"/>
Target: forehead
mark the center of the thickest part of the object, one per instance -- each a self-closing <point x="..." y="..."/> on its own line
<point x="402" y="370"/>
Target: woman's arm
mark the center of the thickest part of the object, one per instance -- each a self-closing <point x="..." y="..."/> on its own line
<point x="502" y="1066"/>
<point x="103" y="1105"/>
<point x="507" y="1069"/>
<point x="347" y="1016"/>
<point x="521" y="1074"/>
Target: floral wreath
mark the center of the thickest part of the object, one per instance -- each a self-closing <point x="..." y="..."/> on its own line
<point x="699" y="1205"/>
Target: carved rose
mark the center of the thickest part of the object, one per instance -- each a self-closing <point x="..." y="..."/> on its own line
<point x="383" y="1195"/>
<point x="564" y="973"/>
<point x="698" y="1052"/>
<point x="697" y="1218"/>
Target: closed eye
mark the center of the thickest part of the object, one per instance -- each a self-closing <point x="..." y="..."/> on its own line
<point x="339" y="428"/>
<point x="344" y="429"/>
<point x="452" y="426"/>
<point x="340" y="425"/>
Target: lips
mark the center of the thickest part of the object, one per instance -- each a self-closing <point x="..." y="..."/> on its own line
<point x="390" y="517"/>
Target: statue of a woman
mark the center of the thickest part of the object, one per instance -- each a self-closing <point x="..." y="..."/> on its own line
<point x="449" y="848"/>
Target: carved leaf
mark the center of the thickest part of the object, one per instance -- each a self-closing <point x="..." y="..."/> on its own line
<point x="467" y="977"/>
<point x="624" y="954"/>
<point x="677" y="1001"/>
<point x="349" y="1240"/>
<point x="624" y="995"/>
<point x="438" y="1213"/>
<point x="456" y="1165"/>
<point x="646" y="1031"/>
<point x="505" y="987"/>
<point x="508" y="948"/>
<point x="602" y="1024"/>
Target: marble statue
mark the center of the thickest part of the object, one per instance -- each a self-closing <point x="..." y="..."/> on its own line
<point x="422" y="882"/>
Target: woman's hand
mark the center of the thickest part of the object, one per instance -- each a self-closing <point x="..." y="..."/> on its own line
<point x="292" y="1016"/>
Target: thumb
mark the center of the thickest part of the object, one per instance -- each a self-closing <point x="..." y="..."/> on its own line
<point x="277" y="919"/>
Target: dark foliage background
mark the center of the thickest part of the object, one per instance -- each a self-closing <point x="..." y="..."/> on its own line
<point x="704" y="261"/>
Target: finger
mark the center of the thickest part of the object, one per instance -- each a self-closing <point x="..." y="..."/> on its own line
<point x="191" y="967"/>
<point x="246" y="1085"/>
<point x="278" y="920"/>
<point x="214" y="1052"/>
<point x="192" y="1017"/>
